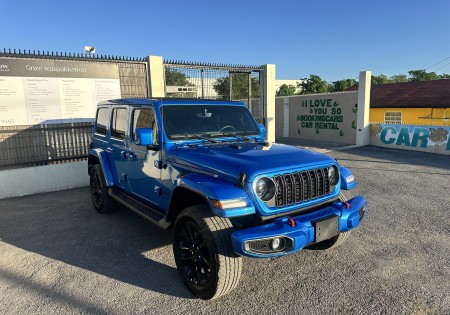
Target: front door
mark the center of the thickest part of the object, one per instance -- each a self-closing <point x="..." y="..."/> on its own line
<point x="144" y="174"/>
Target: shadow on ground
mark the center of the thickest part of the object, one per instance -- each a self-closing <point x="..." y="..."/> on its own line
<point x="64" y="226"/>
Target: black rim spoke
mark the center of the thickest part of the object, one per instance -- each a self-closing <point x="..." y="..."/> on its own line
<point x="96" y="189"/>
<point x="194" y="254"/>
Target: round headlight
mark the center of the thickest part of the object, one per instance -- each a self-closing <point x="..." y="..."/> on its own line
<point x="333" y="175"/>
<point x="264" y="188"/>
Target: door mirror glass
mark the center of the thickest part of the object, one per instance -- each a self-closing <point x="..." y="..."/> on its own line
<point x="144" y="136"/>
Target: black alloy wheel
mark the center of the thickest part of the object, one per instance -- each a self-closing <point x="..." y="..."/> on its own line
<point x="101" y="201"/>
<point x="96" y="190"/>
<point x="194" y="255"/>
<point x="206" y="261"/>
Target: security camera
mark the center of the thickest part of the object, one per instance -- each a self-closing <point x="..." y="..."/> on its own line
<point x="89" y="49"/>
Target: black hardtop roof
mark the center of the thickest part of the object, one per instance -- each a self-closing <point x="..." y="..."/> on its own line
<point x="166" y="100"/>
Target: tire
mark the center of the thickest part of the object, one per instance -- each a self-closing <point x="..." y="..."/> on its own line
<point x="334" y="241"/>
<point x="203" y="253"/>
<point x="331" y="243"/>
<point x="101" y="201"/>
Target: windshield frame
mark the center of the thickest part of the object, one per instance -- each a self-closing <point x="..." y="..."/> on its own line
<point x="192" y="117"/>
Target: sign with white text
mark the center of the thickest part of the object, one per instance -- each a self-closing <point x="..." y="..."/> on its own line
<point x="54" y="91"/>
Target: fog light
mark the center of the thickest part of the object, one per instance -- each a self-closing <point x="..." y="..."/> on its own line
<point x="277" y="244"/>
<point x="361" y="213"/>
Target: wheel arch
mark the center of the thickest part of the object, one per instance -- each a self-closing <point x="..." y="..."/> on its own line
<point x="92" y="160"/>
<point x="98" y="156"/>
<point x="183" y="198"/>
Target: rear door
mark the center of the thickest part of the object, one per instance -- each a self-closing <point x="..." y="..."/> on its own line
<point x="118" y="144"/>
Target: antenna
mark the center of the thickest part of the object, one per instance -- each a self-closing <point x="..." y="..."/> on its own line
<point x="163" y="132"/>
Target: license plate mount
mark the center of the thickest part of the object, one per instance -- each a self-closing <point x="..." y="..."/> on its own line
<point x="326" y="228"/>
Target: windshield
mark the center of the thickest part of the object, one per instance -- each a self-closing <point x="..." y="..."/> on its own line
<point x="199" y="121"/>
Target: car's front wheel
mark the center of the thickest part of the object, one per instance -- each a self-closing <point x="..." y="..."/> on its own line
<point x="203" y="253"/>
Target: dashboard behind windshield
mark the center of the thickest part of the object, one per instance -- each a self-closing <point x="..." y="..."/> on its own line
<point x="189" y="121"/>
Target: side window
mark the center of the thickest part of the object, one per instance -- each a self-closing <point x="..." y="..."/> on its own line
<point x="144" y="118"/>
<point x="119" y="123"/>
<point x="101" y="125"/>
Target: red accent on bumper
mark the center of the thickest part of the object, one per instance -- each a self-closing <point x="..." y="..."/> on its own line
<point x="291" y="222"/>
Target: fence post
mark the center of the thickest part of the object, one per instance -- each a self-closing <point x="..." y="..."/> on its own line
<point x="268" y="89"/>
<point x="156" y="82"/>
<point x="362" y="121"/>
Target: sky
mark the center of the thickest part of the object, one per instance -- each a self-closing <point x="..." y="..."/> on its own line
<point x="333" y="39"/>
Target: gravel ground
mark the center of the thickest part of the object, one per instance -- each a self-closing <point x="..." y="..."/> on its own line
<point x="58" y="256"/>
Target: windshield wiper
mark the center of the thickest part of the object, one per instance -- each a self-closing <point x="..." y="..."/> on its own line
<point x="195" y="136"/>
<point x="234" y="134"/>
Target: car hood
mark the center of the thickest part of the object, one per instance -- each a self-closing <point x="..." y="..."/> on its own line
<point x="230" y="160"/>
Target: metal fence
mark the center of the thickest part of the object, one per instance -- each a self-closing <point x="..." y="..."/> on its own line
<point x="22" y="146"/>
<point x="132" y="70"/>
<point x="215" y="81"/>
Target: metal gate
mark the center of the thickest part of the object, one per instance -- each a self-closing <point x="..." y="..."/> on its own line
<point x="216" y="81"/>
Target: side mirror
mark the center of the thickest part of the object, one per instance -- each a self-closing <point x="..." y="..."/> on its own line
<point x="144" y="136"/>
<point x="262" y="130"/>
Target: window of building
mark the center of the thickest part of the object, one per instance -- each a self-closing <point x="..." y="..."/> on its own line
<point x="392" y="117"/>
<point x="144" y="118"/>
<point x="101" y="125"/>
<point x="119" y="123"/>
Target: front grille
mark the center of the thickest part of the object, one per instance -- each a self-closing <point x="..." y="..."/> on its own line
<point x="302" y="186"/>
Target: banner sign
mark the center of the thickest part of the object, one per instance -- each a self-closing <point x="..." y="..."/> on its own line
<point x="54" y="91"/>
<point x="433" y="139"/>
<point x="322" y="117"/>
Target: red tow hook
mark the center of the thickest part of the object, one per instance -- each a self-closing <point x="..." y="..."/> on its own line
<point x="291" y="222"/>
<point x="347" y="205"/>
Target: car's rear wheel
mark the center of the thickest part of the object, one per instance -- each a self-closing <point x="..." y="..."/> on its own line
<point x="203" y="253"/>
<point x="101" y="201"/>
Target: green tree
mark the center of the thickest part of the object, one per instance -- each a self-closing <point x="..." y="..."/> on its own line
<point x="398" y="78"/>
<point x="313" y="85"/>
<point x="380" y="79"/>
<point x="175" y="77"/>
<point x="342" y="85"/>
<point x="240" y="87"/>
<point x="286" y="90"/>
<point x="422" y="75"/>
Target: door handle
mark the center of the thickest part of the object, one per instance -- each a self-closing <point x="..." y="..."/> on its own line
<point x="109" y="149"/>
<point x="131" y="156"/>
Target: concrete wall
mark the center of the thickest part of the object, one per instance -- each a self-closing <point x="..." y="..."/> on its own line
<point x="433" y="139"/>
<point x="40" y="179"/>
<point x="322" y="117"/>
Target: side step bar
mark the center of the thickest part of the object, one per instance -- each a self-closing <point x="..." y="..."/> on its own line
<point x="139" y="208"/>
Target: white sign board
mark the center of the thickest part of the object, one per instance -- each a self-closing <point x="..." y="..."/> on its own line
<point x="52" y="91"/>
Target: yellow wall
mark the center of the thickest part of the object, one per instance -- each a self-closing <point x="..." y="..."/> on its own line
<point x="411" y="115"/>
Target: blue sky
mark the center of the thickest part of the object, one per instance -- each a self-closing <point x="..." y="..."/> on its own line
<point x="333" y="39"/>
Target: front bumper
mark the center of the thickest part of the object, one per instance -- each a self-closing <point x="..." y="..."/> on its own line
<point x="299" y="231"/>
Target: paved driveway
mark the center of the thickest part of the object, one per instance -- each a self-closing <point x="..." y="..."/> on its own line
<point x="58" y="256"/>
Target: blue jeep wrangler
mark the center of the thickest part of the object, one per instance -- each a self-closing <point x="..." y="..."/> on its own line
<point x="203" y="168"/>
